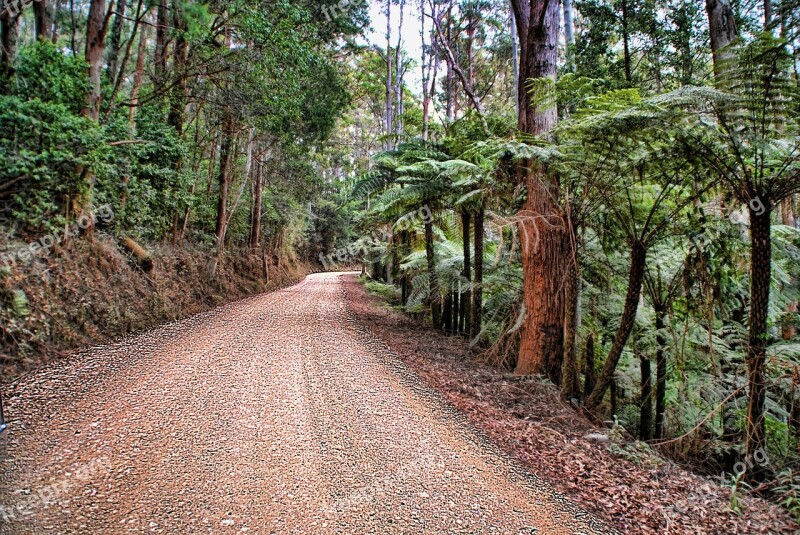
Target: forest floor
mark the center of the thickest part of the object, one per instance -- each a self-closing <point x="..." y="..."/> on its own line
<point x="620" y="481"/>
<point x="277" y="414"/>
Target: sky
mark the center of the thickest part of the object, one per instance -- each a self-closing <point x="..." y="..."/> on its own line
<point x="412" y="42"/>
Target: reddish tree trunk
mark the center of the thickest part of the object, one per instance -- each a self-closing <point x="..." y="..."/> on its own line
<point x="41" y="22"/>
<point x="543" y="234"/>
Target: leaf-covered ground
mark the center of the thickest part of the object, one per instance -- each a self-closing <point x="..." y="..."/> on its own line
<point x="620" y="481"/>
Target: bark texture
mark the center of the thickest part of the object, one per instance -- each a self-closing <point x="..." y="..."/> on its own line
<point x="96" y="26"/>
<point x="722" y="29"/>
<point x="544" y="236"/>
<point x="477" y="292"/>
<point x="760" y="274"/>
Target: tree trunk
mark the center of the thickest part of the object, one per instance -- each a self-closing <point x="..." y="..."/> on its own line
<point x="789" y="324"/>
<point x="138" y="76"/>
<point x="661" y="371"/>
<point x="41" y="22"/>
<point x="115" y="40"/>
<point x="54" y="33"/>
<point x="390" y="261"/>
<point x="570" y="381"/>
<point x="515" y="55"/>
<point x="9" y="24"/>
<point x="450" y="80"/>
<point x="160" y="52"/>
<point x="225" y="157"/>
<point x="722" y="29"/>
<point x="466" y="297"/>
<point x="588" y="366"/>
<point x="477" y="292"/>
<point x="255" y="217"/>
<point x="388" y="119"/>
<point x="544" y="238"/>
<point x="645" y="400"/>
<point x="96" y="27"/>
<point x="613" y="397"/>
<point x="117" y="74"/>
<point x="768" y="15"/>
<point x="760" y="275"/>
<point x="635" y="279"/>
<point x="626" y="44"/>
<point x="433" y="281"/>
<point x="405" y="240"/>
<point x="569" y="26"/>
<point x="447" y="316"/>
<point x="456" y="309"/>
<point x="427" y="59"/>
<point x="177" y="99"/>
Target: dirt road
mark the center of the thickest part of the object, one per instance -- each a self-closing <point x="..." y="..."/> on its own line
<point x="277" y="414"/>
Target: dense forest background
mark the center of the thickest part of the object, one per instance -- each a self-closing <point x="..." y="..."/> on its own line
<point x="599" y="193"/>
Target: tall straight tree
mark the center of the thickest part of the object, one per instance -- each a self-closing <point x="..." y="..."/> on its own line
<point x="96" y="27"/>
<point x="542" y="228"/>
<point x="41" y="22"/>
<point x="722" y="29"/>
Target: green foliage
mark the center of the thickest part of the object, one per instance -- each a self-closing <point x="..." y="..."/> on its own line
<point x="42" y="145"/>
<point x="43" y="72"/>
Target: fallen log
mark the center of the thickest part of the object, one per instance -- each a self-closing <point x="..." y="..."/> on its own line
<point x="144" y="259"/>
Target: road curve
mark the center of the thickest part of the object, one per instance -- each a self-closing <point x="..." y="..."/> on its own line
<point x="277" y="414"/>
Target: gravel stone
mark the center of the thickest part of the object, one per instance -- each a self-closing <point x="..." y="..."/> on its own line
<point x="276" y="414"/>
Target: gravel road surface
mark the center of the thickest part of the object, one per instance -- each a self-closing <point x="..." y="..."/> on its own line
<point x="277" y="414"/>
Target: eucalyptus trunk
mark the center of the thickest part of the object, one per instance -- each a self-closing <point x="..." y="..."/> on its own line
<point x="41" y="20"/>
<point x="722" y="30"/>
<point x="96" y="26"/>
<point x="115" y="39"/>
<point x="223" y="179"/>
<point x="544" y="237"/>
